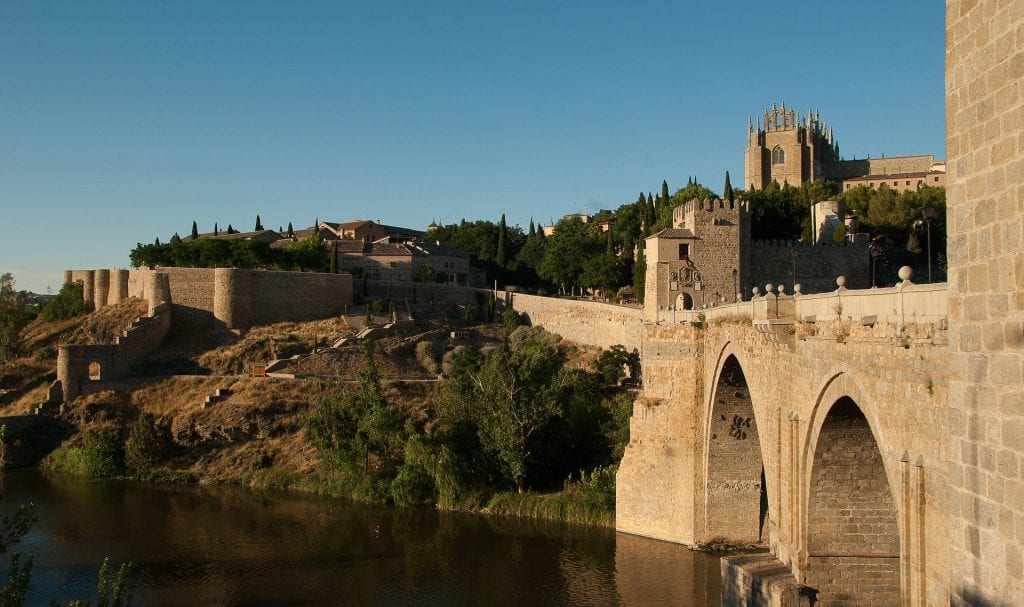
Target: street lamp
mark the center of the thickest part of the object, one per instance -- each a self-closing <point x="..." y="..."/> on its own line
<point x="792" y="255"/>
<point x="735" y="285"/>
<point x="874" y="251"/>
<point x="928" y="213"/>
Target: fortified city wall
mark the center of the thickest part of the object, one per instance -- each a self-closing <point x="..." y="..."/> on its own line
<point x="817" y="266"/>
<point x="586" y="322"/>
<point x="81" y="367"/>
<point x="235" y="299"/>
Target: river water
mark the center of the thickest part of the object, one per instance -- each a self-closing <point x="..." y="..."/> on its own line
<point x="233" y="546"/>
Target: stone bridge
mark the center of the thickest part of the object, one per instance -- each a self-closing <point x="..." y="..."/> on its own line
<point x="814" y="425"/>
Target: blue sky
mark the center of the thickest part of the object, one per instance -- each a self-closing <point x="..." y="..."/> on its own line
<point x="121" y="122"/>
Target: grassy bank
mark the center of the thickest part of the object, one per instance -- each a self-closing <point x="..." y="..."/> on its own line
<point x="571" y="505"/>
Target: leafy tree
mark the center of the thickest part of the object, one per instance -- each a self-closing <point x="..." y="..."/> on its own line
<point x="509" y="397"/>
<point x="146" y="445"/>
<point x="68" y="303"/>
<point x="14" y="315"/>
<point x="603" y="272"/>
<point x="565" y="252"/>
<point x="359" y="432"/>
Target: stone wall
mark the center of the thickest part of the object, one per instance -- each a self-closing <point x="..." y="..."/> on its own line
<point x="208" y="298"/>
<point x="110" y="361"/>
<point x="584" y="322"/>
<point x="985" y="147"/>
<point x="817" y="266"/>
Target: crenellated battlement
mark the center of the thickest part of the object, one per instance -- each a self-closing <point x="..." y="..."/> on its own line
<point x="709" y="212"/>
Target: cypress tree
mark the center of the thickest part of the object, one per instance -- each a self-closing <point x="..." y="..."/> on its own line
<point x="609" y="247"/>
<point x="291" y="232"/>
<point x="195" y="231"/>
<point x="728" y="188"/>
<point x="533" y="230"/>
<point x="175" y="238"/>
<point x="640" y="274"/>
<point x="334" y="258"/>
<point x="216" y="230"/>
<point x="259" y="225"/>
<point x="157" y="241"/>
<point x="499" y="257"/>
<point x="664" y="190"/>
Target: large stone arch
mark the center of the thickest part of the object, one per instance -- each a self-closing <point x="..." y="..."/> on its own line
<point x="734" y="480"/>
<point x="851" y="539"/>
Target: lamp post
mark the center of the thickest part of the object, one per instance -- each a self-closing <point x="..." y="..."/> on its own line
<point x="792" y="255"/>
<point x="735" y="285"/>
<point x="928" y="213"/>
<point x="874" y="251"/>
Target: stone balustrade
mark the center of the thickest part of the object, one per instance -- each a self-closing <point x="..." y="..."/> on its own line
<point x="902" y="304"/>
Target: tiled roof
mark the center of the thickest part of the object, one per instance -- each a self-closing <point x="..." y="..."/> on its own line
<point x="673" y="233"/>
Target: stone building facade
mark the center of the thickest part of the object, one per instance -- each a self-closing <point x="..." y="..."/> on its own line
<point x="707" y="258"/>
<point x="787" y="147"/>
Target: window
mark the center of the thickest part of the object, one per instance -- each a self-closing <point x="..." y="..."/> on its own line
<point x="847" y="186"/>
<point x="684" y="251"/>
<point x="908" y="182"/>
<point x="394" y="264"/>
<point x="778" y="155"/>
<point x="936" y="179"/>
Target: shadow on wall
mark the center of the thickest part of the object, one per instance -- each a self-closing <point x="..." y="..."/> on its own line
<point x="969" y="597"/>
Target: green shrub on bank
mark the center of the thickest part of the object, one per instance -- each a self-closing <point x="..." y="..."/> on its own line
<point x="100" y="454"/>
<point x="564" y="507"/>
<point x="68" y="303"/>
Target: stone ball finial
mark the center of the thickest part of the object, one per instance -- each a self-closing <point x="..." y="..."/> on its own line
<point x="757" y="291"/>
<point x="796" y="289"/>
<point x="768" y="288"/>
<point x="782" y="289"/>
<point x="906" y="273"/>
<point x="841" y="281"/>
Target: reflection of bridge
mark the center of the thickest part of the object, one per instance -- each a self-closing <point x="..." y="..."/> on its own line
<point x="812" y="424"/>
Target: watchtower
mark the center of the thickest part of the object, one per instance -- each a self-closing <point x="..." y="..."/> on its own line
<point x="698" y="261"/>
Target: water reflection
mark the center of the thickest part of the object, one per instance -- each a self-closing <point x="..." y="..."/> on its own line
<point x="231" y="546"/>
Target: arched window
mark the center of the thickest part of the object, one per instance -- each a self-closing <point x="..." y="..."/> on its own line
<point x="778" y="156"/>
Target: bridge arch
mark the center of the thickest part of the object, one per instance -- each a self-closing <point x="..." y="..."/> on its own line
<point x="851" y="538"/>
<point x="735" y="487"/>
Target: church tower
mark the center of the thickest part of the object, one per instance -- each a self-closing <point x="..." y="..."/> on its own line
<point x="786" y="147"/>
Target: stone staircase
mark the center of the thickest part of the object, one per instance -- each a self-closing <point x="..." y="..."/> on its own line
<point x="216" y="397"/>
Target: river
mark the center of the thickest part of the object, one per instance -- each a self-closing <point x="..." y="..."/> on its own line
<point x="216" y="545"/>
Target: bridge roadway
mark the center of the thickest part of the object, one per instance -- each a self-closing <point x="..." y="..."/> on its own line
<point x="814" y="425"/>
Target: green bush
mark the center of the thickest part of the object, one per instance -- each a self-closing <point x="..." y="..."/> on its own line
<point x="146" y="445"/>
<point x="100" y="454"/>
<point x="426" y="355"/>
<point x="67" y="304"/>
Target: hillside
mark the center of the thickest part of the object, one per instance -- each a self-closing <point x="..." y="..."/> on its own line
<point x="257" y="423"/>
